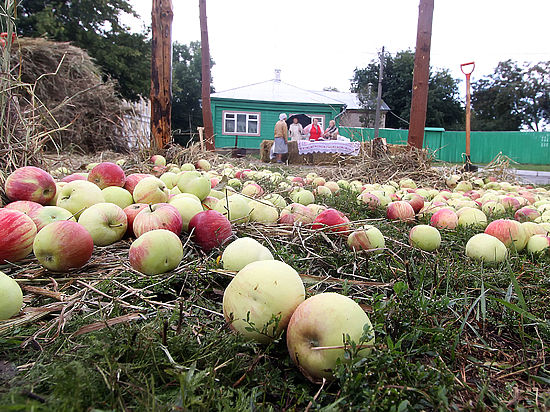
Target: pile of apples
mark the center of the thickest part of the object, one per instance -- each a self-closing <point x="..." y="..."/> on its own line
<point x="62" y="220"/>
<point x="267" y="296"/>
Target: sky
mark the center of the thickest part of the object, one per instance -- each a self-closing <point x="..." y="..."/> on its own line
<point x="317" y="43"/>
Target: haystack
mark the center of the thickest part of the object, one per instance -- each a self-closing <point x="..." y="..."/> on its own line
<point x="71" y="88"/>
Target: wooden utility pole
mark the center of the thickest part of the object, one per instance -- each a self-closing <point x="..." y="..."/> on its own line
<point x="205" y="54"/>
<point x="379" y="95"/>
<point x="378" y="148"/>
<point x="421" y="76"/>
<point x="161" y="73"/>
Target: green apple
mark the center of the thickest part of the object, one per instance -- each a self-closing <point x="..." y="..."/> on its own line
<point x="48" y="214"/>
<point x="468" y="216"/>
<point x="150" y="190"/>
<point x="195" y="183"/>
<point x="188" y="207"/>
<point x="217" y="194"/>
<point x="11" y="297"/>
<point x="276" y="199"/>
<point x="106" y="223"/>
<point x="366" y="238"/>
<point x="486" y="248"/>
<point x="302" y="196"/>
<point x="118" y="196"/>
<point x="425" y="237"/>
<point x="243" y="251"/>
<point x="538" y="244"/>
<point x="186" y="167"/>
<point x="322" y="321"/>
<point x="263" y="212"/>
<point x="170" y="179"/>
<point x="156" y="251"/>
<point x="263" y="294"/>
<point x="235" y="207"/>
<point x="184" y="195"/>
<point x="79" y="195"/>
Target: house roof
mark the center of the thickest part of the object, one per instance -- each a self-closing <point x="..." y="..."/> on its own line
<point x="352" y="100"/>
<point x="279" y="91"/>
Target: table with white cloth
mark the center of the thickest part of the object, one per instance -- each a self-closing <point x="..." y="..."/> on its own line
<point x="306" y="147"/>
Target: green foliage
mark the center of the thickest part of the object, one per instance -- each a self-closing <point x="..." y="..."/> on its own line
<point x="444" y="106"/>
<point x="94" y="26"/>
<point x="513" y="97"/>
<point x="186" y="86"/>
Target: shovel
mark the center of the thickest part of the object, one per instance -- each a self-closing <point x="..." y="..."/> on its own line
<point x="467" y="69"/>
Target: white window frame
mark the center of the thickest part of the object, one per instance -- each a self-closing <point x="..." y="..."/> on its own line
<point x="247" y="114"/>
<point x="321" y="118"/>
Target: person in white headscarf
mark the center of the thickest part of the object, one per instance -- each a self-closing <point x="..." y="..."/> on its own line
<point x="280" y="146"/>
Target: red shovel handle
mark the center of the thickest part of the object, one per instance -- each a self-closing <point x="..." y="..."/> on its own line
<point x="463" y="65"/>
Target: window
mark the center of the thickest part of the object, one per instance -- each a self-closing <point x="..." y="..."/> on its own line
<point x="241" y="123"/>
<point x="320" y="118"/>
<point x="544" y="140"/>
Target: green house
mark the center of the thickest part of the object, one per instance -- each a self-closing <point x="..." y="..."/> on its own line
<point x="248" y="114"/>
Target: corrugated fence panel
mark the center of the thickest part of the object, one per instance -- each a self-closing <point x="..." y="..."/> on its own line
<point x="450" y="146"/>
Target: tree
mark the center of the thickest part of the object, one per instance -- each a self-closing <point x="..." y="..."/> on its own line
<point x="444" y="106"/>
<point x="513" y="97"/>
<point x="94" y="26"/>
<point x="186" y="86"/>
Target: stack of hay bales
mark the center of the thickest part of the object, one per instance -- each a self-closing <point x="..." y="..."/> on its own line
<point x="76" y="101"/>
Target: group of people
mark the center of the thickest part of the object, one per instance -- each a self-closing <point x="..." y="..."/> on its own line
<point x="296" y="131"/>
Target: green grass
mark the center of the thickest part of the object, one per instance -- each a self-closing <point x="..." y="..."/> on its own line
<point x="451" y="334"/>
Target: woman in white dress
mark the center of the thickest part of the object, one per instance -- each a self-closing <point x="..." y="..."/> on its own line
<point x="295" y="130"/>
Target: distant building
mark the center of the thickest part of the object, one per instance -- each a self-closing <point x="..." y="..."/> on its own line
<point x="249" y="113"/>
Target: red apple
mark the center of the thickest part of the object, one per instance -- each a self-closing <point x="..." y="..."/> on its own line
<point x="334" y="219"/>
<point x="158" y="216"/>
<point x="296" y="213"/>
<point x="131" y="213"/>
<point x="17" y="232"/>
<point x="210" y="229"/>
<point x="371" y="201"/>
<point x="30" y="183"/>
<point x="133" y="179"/>
<point x="509" y="232"/>
<point x="510" y="203"/>
<point x="525" y="214"/>
<point x="416" y="201"/>
<point x="444" y="219"/>
<point x="25" y="206"/>
<point x="107" y="174"/>
<point x="400" y="210"/>
<point x="63" y="245"/>
<point x="74" y="176"/>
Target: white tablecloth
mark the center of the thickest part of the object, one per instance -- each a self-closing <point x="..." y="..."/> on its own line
<point x="328" y="146"/>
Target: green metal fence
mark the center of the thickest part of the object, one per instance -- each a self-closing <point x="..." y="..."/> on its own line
<point x="522" y="147"/>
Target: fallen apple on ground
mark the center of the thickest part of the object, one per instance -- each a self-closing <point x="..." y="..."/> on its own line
<point x="107" y="174"/>
<point x="106" y="223"/>
<point x="63" y="245"/>
<point x="50" y="214"/>
<point x="156" y="251"/>
<point x="158" y="216"/>
<point x="486" y="248"/>
<point x="425" y="237"/>
<point x="366" y="238"/>
<point x="11" y="297"/>
<point x="79" y="195"/>
<point x="243" y="251"/>
<point x="17" y="233"/>
<point x="316" y="331"/>
<point x="30" y="183"/>
<point x="210" y="229"/>
<point x="262" y="296"/>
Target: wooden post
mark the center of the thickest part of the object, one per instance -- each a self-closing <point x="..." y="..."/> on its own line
<point x="161" y="73"/>
<point x="205" y="55"/>
<point x="421" y="76"/>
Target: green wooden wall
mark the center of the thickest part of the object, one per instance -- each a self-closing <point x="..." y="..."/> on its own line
<point x="449" y="146"/>
<point x="269" y="116"/>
